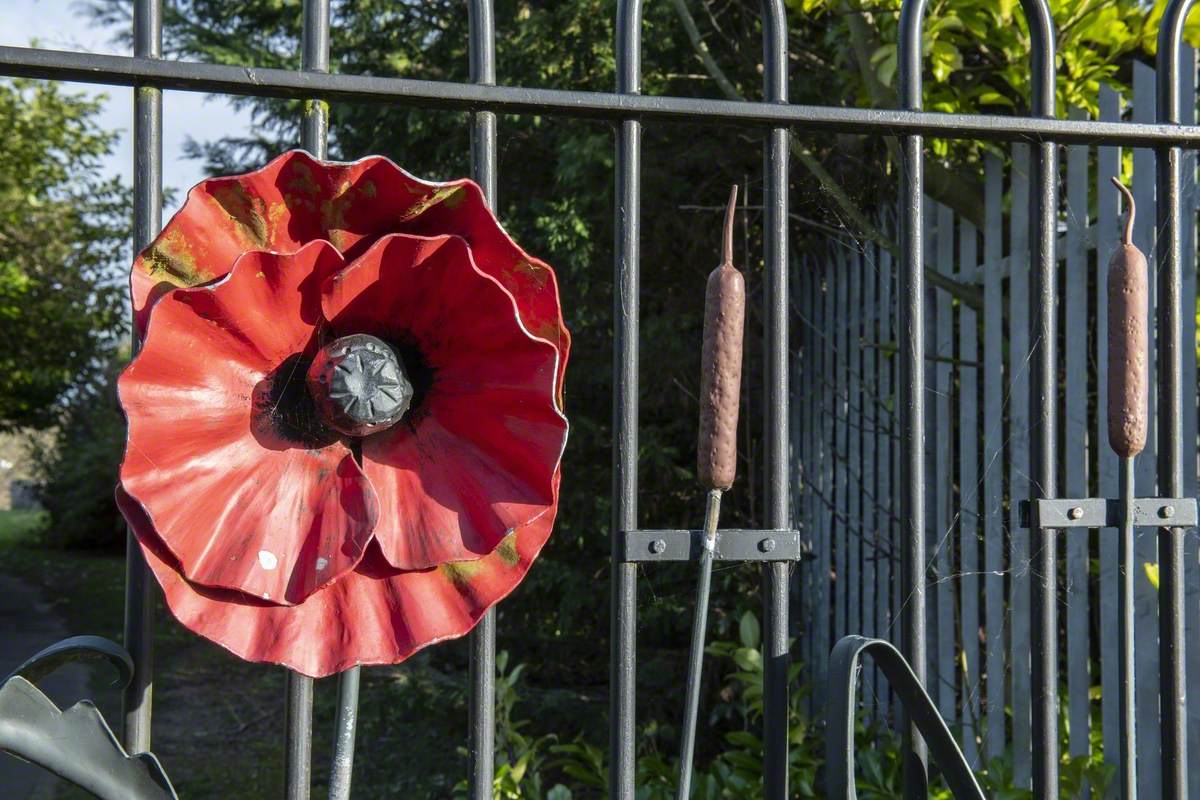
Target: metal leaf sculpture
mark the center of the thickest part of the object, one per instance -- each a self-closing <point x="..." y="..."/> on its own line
<point x="345" y="421"/>
<point x="76" y="744"/>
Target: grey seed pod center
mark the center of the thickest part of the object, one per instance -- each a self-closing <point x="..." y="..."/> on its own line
<point x="359" y="385"/>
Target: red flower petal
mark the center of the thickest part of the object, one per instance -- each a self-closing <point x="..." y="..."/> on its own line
<point x="461" y="211"/>
<point x="296" y="199"/>
<point x="240" y="499"/>
<point x="476" y="459"/>
<point x="373" y="615"/>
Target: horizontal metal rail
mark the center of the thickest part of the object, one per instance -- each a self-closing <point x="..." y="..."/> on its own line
<point x="191" y="76"/>
<point x="1101" y="512"/>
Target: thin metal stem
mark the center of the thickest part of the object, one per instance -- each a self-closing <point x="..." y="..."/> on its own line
<point x="297" y="722"/>
<point x="691" y="709"/>
<point x="341" y="770"/>
<point x="1127" y="567"/>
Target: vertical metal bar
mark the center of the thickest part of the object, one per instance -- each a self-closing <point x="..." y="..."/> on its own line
<point x="147" y="220"/>
<point x="1043" y="332"/>
<point x="929" y="236"/>
<point x="1128" y="567"/>
<point x="1146" y="626"/>
<point x="943" y="478"/>
<point x="993" y="449"/>
<point x="869" y="398"/>
<point x="297" y="722"/>
<point x="855" y="529"/>
<point x="809" y="456"/>
<point x="626" y="315"/>
<point x="887" y="411"/>
<point x="775" y="397"/>
<point x="1075" y="456"/>
<point x="841" y="446"/>
<point x="314" y="57"/>
<point x="912" y="392"/>
<point x="482" y="677"/>
<point x="968" y="472"/>
<point x="1169" y="249"/>
<point x="1019" y="467"/>
<point x="824" y="632"/>
<point x="1191" y="558"/>
<point x="1108" y="163"/>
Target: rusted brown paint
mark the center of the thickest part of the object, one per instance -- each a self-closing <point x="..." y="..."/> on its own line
<point x="1128" y="305"/>
<point x="721" y="366"/>
<point x="170" y="259"/>
<point x="348" y="196"/>
<point x="450" y="196"/>
<point x="536" y="274"/>
<point x="461" y="572"/>
<point x="507" y="550"/>
<point x="248" y="211"/>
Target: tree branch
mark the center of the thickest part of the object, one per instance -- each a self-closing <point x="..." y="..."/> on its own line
<point x="970" y="295"/>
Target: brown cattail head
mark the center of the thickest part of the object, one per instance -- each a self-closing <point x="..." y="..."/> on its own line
<point x="721" y="366"/>
<point x="1127" y="342"/>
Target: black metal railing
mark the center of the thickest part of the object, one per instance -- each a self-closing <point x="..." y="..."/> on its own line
<point x="149" y="74"/>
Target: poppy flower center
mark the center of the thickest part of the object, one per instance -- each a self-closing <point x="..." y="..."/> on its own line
<point x="359" y="385"/>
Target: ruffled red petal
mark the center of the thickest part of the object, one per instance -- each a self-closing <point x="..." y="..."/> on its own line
<point x="475" y="460"/>
<point x="373" y="615"/>
<point x="239" y="498"/>
<point x="296" y="199"/>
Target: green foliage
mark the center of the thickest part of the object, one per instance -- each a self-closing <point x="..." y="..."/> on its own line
<point x="79" y="468"/>
<point x="578" y="768"/>
<point x="734" y="768"/>
<point x="19" y="527"/>
<point x="62" y="233"/>
<point x="977" y="51"/>
<point x="520" y="757"/>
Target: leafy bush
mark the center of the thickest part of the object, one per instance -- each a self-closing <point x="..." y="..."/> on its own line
<point x="79" y="468"/>
<point x="578" y="769"/>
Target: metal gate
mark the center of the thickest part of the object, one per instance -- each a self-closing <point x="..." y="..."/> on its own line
<point x="629" y="111"/>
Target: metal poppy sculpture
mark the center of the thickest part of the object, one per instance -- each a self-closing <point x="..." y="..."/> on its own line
<point x="345" y="420"/>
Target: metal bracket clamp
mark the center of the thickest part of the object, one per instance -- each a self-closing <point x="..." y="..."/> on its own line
<point x="1100" y="512"/>
<point x="732" y="545"/>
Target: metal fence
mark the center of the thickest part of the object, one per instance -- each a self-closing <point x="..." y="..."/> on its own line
<point x="846" y="438"/>
<point x="629" y="111"/>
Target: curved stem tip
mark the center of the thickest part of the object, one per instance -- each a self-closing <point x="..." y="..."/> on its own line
<point x="1131" y="209"/>
<point x="730" y="212"/>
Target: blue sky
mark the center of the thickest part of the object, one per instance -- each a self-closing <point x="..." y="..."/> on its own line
<point x="64" y="25"/>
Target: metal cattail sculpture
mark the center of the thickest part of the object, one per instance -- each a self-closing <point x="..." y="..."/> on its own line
<point x="716" y="458"/>
<point x="1127" y="341"/>
<point x="721" y="366"/>
<point x="1128" y="295"/>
